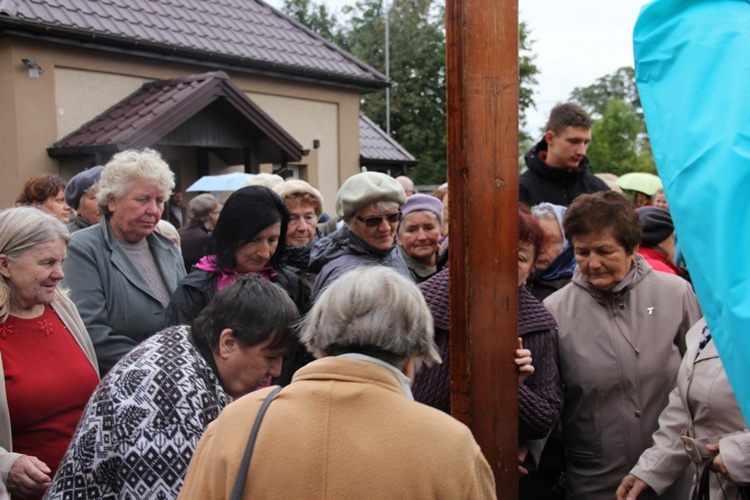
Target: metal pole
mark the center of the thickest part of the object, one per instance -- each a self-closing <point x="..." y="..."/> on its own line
<point x="387" y="71"/>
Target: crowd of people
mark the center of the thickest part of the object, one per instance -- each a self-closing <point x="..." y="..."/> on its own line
<point x="142" y="342"/>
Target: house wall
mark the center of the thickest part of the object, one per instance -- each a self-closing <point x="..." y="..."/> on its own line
<point x="79" y="84"/>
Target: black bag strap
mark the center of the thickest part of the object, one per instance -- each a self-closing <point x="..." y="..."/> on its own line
<point x="239" y="483"/>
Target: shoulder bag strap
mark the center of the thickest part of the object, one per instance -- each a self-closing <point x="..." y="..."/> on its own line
<point x="239" y="483"/>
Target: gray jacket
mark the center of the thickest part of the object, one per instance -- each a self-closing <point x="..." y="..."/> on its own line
<point x="703" y="407"/>
<point x="117" y="304"/>
<point x="617" y="356"/>
<point x="342" y="251"/>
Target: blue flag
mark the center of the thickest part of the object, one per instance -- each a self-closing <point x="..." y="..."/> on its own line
<point x="693" y="75"/>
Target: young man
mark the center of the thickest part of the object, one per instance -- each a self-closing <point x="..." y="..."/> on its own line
<point x="558" y="169"/>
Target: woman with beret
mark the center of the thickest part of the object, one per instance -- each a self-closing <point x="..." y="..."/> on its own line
<point x="369" y="204"/>
<point x="347" y="425"/>
<point x="621" y="336"/>
<point x="556" y="262"/>
<point x="657" y="242"/>
<point x="47" y="363"/>
<point x="305" y="205"/>
<point x="46" y="192"/>
<point x="120" y="272"/>
<point x="419" y="234"/>
<point x="143" y="422"/>
<point x="80" y="194"/>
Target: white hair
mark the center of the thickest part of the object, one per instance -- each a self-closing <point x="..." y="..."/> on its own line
<point x="128" y="166"/>
<point x="373" y="311"/>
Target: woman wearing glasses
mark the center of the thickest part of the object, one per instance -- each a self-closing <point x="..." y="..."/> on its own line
<point x="369" y="203"/>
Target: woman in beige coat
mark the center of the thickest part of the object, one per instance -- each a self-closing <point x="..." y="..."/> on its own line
<point x="701" y="420"/>
<point x="619" y="344"/>
<point x="347" y="425"/>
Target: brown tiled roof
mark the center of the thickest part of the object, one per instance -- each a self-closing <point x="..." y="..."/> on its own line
<point x="375" y="146"/>
<point x="159" y="107"/>
<point x="238" y="35"/>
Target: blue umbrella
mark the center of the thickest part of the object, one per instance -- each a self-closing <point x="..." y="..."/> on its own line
<point x="224" y="182"/>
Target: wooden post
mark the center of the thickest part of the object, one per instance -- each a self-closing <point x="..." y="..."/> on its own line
<point x="482" y="98"/>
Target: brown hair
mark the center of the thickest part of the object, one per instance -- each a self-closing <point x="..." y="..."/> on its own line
<point x="529" y="229"/>
<point x="38" y="189"/>
<point x="567" y="115"/>
<point x="605" y="210"/>
<point x="305" y="199"/>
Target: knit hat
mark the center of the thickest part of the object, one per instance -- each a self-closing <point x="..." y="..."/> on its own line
<point x="79" y="184"/>
<point x="364" y="189"/>
<point x="296" y="186"/>
<point x="657" y="225"/>
<point x="201" y="207"/>
<point x="418" y="202"/>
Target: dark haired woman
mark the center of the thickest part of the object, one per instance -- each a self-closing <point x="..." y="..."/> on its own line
<point x="142" y="424"/>
<point x="620" y="341"/>
<point x="248" y="239"/>
<point x="46" y="192"/>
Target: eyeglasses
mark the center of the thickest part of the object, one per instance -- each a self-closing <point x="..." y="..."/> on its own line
<point x="376" y="221"/>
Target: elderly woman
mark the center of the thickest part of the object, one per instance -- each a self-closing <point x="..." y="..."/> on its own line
<point x="702" y="421"/>
<point x="621" y="337"/>
<point x="305" y="205"/>
<point x="46" y="192"/>
<point x="80" y="194"/>
<point x="539" y="403"/>
<point x="369" y="203"/>
<point x="204" y="213"/>
<point x="145" y="419"/>
<point x="657" y="240"/>
<point x="239" y="246"/>
<point x="556" y="262"/>
<point x="419" y="234"/>
<point x="349" y="416"/>
<point x="47" y="363"/>
<point x="121" y="274"/>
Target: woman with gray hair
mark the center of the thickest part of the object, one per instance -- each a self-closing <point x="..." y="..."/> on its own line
<point x="369" y="203"/>
<point x="47" y="363"/>
<point x="349" y="416"/>
<point x="121" y="274"/>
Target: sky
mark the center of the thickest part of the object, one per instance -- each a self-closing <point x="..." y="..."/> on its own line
<point x="576" y="42"/>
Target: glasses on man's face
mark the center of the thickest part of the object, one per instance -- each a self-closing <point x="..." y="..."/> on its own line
<point x="376" y="221"/>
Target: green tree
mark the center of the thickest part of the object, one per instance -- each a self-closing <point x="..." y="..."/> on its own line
<point x="619" y="85"/>
<point x="615" y="147"/>
<point x="315" y="16"/>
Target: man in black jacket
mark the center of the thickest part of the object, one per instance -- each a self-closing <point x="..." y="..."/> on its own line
<point x="558" y="169"/>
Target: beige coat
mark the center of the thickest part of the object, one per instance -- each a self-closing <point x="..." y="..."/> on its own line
<point x="703" y="407"/>
<point x="618" y="357"/>
<point x="342" y="429"/>
<point x="72" y="320"/>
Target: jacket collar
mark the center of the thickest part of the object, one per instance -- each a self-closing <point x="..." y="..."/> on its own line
<point x="162" y="253"/>
<point x="638" y="271"/>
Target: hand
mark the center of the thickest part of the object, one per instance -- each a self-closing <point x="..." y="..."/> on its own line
<point x="523" y="450"/>
<point x="523" y="362"/>
<point x="630" y="488"/>
<point x="718" y="466"/>
<point x="28" y="476"/>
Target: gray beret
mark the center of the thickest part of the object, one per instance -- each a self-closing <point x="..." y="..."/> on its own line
<point x="657" y="225"/>
<point x="423" y="202"/>
<point x="201" y="206"/>
<point x="79" y="184"/>
<point x="366" y="188"/>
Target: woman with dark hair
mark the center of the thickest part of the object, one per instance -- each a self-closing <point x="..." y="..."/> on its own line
<point x="143" y="422"/>
<point x="248" y="239"/>
<point x="620" y="340"/>
<point x="46" y="192"/>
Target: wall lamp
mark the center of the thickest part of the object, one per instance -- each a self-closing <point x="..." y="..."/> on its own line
<point x="34" y="69"/>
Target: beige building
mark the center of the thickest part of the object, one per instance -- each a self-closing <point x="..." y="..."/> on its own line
<point x="267" y="93"/>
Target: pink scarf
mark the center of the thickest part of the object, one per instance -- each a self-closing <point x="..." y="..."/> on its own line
<point x="229" y="276"/>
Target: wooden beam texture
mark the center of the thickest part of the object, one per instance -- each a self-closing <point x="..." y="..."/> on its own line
<point x="482" y="98"/>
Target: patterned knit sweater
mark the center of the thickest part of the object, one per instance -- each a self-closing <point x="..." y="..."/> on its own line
<point x="538" y="402"/>
<point x="142" y="424"/>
